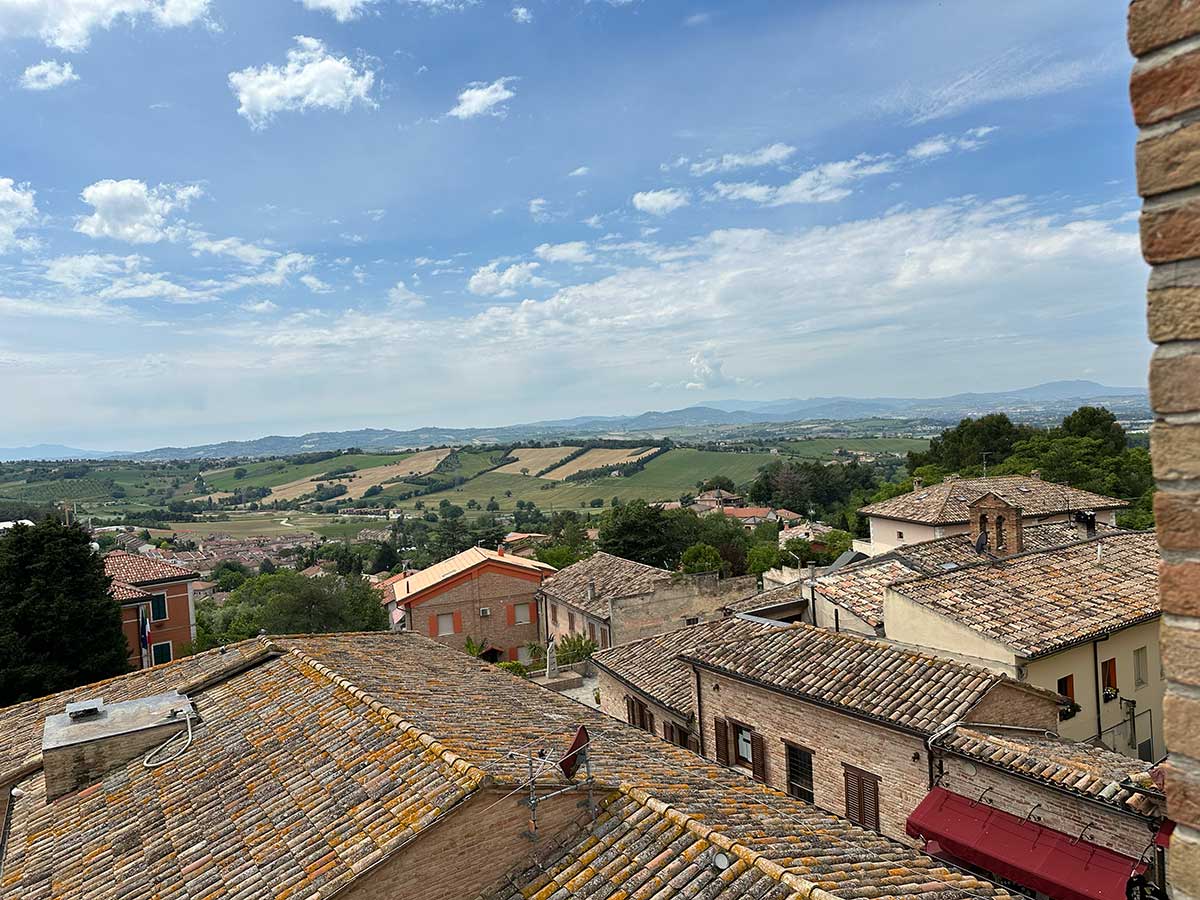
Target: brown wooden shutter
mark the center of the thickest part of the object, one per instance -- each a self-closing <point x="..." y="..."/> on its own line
<point x="650" y="721"/>
<point x="853" y="797"/>
<point x="721" y="730"/>
<point x="669" y="731"/>
<point x="758" y="757"/>
<point x="862" y="798"/>
<point x="630" y="711"/>
<point x="870" y="802"/>
<point x="693" y="743"/>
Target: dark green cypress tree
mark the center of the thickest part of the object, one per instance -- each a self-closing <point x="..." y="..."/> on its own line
<point x="59" y="626"/>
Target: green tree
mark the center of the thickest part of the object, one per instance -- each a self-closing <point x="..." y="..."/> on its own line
<point x="229" y="575"/>
<point x="701" y="558"/>
<point x="717" y="483"/>
<point x="289" y="603"/>
<point x="59" y="626"/>
<point x="646" y="534"/>
<point x="964" y="446"/>
<point x="1098" y="423"/>
<point x="761" y="558"/>
<point x="384" y="558"/>
<point x="239" y="473"/>
<point x="267" y="567"/>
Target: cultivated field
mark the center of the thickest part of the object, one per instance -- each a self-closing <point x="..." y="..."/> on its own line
<point x="535" y="459"/>
<point x="596" y="459"/>
<point x="357" y="482"/>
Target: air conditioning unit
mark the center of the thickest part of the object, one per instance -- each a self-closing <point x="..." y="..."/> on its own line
<point x="484" y="612"/>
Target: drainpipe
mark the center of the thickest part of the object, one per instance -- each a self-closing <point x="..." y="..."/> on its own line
<point x="837" y="626"/>
<point x="699" y="711"/>
<point x="1099" y="689"/>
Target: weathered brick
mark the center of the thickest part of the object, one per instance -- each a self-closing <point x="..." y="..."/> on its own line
<point x="1181" y="716"/>
<point x="1169" y="162"/>
<point x="1183" y="863"/>
<point x="1179" y="587"/>
<point x="1177" y="518"/>
<point x="1173" y="314"/>
<point x="1175" y="451"/>
<point x="1165" y="90"/>
<point x="1183" y="794"/>
<point x="1181" y="653"/>
<point x="1171" y="233"/>
<point x="1156" y="23"/>
<point x="1175" y="383"/>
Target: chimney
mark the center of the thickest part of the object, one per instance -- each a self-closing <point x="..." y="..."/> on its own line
<point x="499" y="549"/>
<point x="91" y="738"/>
<point x="1085" y="523"/>
<point x="591" y="590"/>
<point x="918" y="482"/>
<point x="1036" y="473"/>
<point x="950" y="478"/>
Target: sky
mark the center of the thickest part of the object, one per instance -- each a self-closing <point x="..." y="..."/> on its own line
<point x="223" y="219"/>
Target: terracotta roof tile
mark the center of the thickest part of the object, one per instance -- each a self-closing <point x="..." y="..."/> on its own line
<point x="132" y="568"/>
<point x="407" y="588"/>
<point x="652" y="665"/>
<point x="875" y="679"/>
<point x="946" y="503"/>
<point x="1042" y="601"/>
<point x="613" y="576"/>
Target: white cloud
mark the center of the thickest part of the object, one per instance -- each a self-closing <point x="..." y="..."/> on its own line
<point x="312" y="78"/>
<point x="342" y="10"/>
<point x="315" y="284"/>
<point x="283" y="268"/>
<point x="401" y="295"/>
<point x="130" y="211"/>
<point x="569" y="252"/>
<point x="493" y="281"/>
<point x="521" y="15"/>
<point x="376" y="215"/>
<point x="259" y="306"/>
<point x="941" y="144"/>
<point x="83" y="272"/>
<point x="68" y="24"/>
<point x="539" y="209"/>
<point x="18" y="211"/>
<point x="579" y="173"/>
<point x="47" y="75"/>
<point x="661" y="202"/>
<point x="708" y="372"/>
<point x="697" y="19"/>
<point x="480" y="98"/>
<point x="770" y="155"/>
<point x="250" y="254"/>
<point x="110" y="277"/>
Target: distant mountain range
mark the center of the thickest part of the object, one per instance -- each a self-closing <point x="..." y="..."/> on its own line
<point x="1040" y="401"/>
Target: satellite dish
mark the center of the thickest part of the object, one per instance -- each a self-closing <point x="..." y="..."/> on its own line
<point x="576" y="754"/>
<point x="981" y="542"/>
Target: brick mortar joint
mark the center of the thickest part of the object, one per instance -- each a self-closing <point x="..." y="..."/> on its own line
<point x="1161" y="56"/>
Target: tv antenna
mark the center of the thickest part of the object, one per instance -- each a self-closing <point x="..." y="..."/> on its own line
<point x="576" y="757"/>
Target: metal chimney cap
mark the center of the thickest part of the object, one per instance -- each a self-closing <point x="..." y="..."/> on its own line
<point x="85" y="709"/>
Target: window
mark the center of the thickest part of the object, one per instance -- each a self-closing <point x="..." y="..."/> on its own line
<point x="743" y="747"/>
<point x="638" y="714"/>
<point x="1108" y="670"/>
<point x="692" y="620"/>
<point x="604" y="640"/>
<point x="445" y="624"/>
<point x="571" y="623"/>
<point x="799" y="773"/>
<point x="158" y="607"/>
<point x="1141" y="667"/>
<point x="899" y="535"/>
<point x="160" y="653"/>
<point x="862" y="797"/>
<point x="553" y="613"/>
<point x="592" y="631"/>
<point x="677" y="734"/>
<point x="1000" y="540"/>
<point x="521" y="614"/>
<point x="1066" y="687"/>
<point x="748" y="748"/>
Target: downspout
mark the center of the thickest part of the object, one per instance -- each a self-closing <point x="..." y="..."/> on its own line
<point x="699" y="712"/>
<point x="837" y="626"/>
<point x="1096" y="679"/>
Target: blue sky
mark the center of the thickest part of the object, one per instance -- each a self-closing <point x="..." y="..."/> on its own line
<point x="225" y="219"/>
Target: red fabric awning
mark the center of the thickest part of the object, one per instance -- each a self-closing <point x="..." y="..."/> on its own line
<point x="1037" y="857"/>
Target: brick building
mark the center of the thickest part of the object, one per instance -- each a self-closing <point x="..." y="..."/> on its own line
<point x="158" y="607"/>
<point x="614" y="600"/>
<point x="375" y="766"/>
<point x="1165" y="95"/>
<point x="934" y="511"/>
<point x="489" y="596"/>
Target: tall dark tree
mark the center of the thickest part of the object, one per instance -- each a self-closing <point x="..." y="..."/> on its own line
<point x="59" y="626"/>
<point x="971" y="443"/>
<point x="1098" y="423"/>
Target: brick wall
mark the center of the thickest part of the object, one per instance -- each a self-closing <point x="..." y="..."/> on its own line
<point x="471" y="849"/>
<point x="612" y="703"/>
<point x="1059" y="810"/>
<point x="497" y="592"/>
<point x="897" y="758"/>
<point x="1164" y="91"/>
<point x="667" y="608"/>
<point x="1008" y="704"/>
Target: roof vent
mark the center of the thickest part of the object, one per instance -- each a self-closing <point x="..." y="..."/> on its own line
<point x="91" y="738"/>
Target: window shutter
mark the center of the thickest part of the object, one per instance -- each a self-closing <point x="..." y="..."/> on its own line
<point x="511" y="612"/>
<point x="693" y="743"/>
<point x="630" y="711"/>
<point x="457" y="622"/>
<point x="533" y="615"/>
<point x="721" y="730"/>
<point x="870" y="803"/>
<point x="853" y="797"/>
<point x="669" y="731"/>
<point x="513" y="655"/>
<point x="649" y="721"/>
<point x="758" y="757"/>
<point x="433" y="629"/>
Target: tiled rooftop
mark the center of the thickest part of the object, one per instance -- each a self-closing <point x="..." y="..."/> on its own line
<point x="127" y="593"/>
<point x="614" y="576"/>
<point x="763" y="600"/>
<point x="1039" y="602"/>
<point x="651" y="665"/>
<point x="1073" y="766"/>
<point x="407" y="588"/>
<point x="332" y="751"/>
<point x="132" y="568"/>
<point x="947" y="503"/>
<point x="866" y="676"/>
